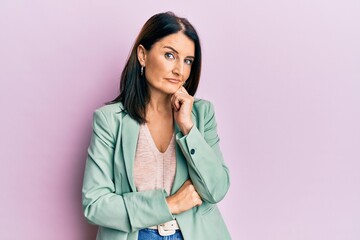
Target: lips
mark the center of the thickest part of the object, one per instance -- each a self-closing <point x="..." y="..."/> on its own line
<point x="173" y="80"/>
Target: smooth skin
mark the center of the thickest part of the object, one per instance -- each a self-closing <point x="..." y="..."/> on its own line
<point x="167" y="66"/>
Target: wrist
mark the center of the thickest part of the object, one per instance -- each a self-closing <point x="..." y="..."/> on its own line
<point x="185" y="128"/>
<point x="171" y="205"/>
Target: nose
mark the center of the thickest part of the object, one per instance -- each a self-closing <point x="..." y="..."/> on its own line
<point x="178" y="68"/>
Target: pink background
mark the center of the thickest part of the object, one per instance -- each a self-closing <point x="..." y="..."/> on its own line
<point x="284" y="77"/>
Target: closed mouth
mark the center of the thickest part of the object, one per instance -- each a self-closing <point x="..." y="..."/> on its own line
<point x="174" y="80"/>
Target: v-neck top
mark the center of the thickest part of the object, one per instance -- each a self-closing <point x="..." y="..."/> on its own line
<point x="152" y="168"/>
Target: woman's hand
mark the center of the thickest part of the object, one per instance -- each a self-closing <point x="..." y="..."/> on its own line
<point x="184" y="199"/>
<point x="182" y="104"/>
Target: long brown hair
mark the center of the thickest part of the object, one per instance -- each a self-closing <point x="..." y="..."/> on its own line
<point x="134" y="93"/>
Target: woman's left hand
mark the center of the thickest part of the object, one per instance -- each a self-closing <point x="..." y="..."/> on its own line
<point x="182" y="104"/>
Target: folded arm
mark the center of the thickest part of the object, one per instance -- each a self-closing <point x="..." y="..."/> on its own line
<point x="127" y="212"/>
<point x="206" y="166"/>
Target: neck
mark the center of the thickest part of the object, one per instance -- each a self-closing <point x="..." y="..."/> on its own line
<point x="159" y="103"/>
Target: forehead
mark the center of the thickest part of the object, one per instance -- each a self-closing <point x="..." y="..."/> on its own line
<point x="179" y="41"/>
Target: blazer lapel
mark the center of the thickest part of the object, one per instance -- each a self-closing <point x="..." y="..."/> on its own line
<point x="129" y="136"/>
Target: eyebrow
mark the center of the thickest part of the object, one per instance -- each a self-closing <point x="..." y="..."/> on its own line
<point x="177" y="51"/>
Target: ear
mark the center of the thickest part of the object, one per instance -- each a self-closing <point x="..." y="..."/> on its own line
<point x="141" y="54"/>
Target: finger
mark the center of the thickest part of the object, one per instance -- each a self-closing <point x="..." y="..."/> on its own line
<point x="197" y="202"/>
<point x="187" y="182"/>
<point x="180" y="88"/>
<point x="183" y="89"/>
<point x="174" y="103"/>
<point x="183" y="95"/>
<point x="179" y="97"/>
<point x="177" y="102"/>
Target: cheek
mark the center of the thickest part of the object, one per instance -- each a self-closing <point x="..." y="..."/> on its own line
<point x="158" y="65"/>
<point x="188" y="71"/>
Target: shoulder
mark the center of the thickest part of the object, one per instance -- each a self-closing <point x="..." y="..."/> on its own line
<point x="202" y="107"/>
<point x="111" y="114"/>
<point x="110" y="108"/>
<point x="204" y="115"/>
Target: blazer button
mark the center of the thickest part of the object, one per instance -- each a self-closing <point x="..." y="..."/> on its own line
<point x="192" y="151"/>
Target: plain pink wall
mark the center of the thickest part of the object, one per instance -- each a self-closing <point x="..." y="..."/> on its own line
<point x="284" y="77"/>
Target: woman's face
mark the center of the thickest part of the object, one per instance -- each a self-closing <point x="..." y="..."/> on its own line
<point x="168" y="62"/>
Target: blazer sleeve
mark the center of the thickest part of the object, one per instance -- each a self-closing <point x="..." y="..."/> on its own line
<point x="206" y="166"/>
<point x="126" y="212"/>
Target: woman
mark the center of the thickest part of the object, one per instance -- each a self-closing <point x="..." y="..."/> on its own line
<point x="154" y="168"/>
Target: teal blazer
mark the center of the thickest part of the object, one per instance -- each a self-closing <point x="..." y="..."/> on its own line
<point x="109" y="195"/>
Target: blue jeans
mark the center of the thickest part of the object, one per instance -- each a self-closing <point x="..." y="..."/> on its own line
<point x="153" y="234"/>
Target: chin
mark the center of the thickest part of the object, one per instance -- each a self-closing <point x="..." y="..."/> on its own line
<point x="170" y="92"/>
<point x="172" y="89"/>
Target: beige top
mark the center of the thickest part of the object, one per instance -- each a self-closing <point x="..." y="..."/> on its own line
<point x="152" y="168"/>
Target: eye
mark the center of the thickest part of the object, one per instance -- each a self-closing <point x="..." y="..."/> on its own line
<point x="169" y="55"/>
<point x="188" y="61"/>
